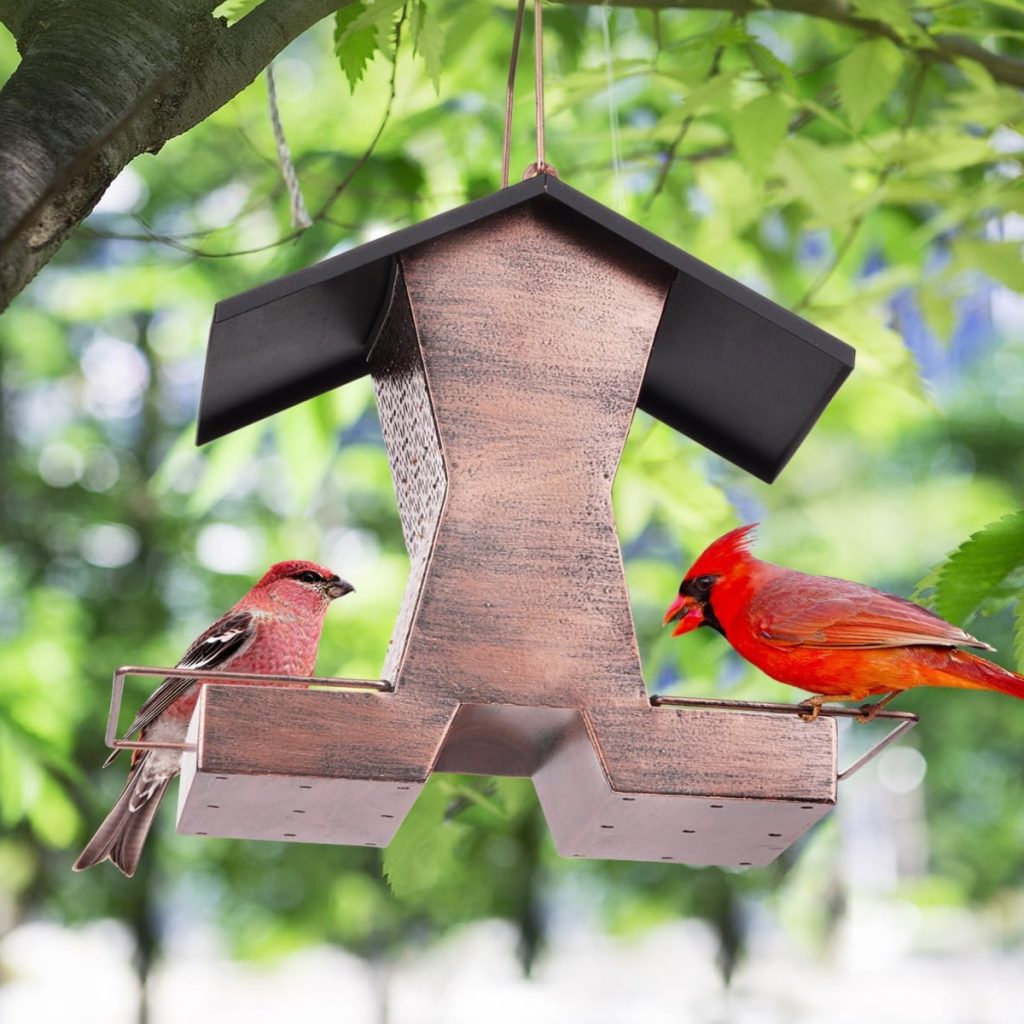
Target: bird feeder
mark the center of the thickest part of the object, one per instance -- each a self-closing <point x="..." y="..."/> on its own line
<point x="510" y="341"/>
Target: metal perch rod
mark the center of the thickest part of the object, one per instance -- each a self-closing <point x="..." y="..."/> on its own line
<point x="210" y="675"/>
<point x="907" y="719"/>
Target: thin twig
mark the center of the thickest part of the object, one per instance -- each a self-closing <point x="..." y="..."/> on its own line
<point x="883" y="177"/>
<point x="684" y="128"/>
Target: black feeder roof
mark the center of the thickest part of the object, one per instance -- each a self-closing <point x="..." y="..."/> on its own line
<point x="737" y="373"/>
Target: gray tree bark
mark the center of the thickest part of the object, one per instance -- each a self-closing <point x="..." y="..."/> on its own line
<point x="102" y="81"/>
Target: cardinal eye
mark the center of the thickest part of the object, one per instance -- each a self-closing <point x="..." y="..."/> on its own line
<point x="704" y="582"/>
<point x="307" y="577"/>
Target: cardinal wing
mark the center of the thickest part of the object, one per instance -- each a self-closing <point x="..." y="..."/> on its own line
<point x="821" y="612"/>
<point x="225" y="639"/>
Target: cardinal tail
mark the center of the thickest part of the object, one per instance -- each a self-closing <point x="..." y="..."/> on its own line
<point x="977" y="673"/>
<point x="123" y="833"/>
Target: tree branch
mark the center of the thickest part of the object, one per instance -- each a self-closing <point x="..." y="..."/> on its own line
<point x="947" y="48"/>
<point x="102" y="81"/>
<point x="20" y="16"/>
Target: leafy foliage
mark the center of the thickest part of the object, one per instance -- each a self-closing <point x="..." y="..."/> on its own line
<point x="985" y="574"/>
<point x="353" y="45"/>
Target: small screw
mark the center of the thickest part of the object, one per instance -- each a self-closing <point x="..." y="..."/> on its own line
<point x="774" y="835"/>
<point x="387" y="815"/>
<point x="744" y="863"/>
<point x="628" y="799"/>
<point x="718" y="807"/>
<point x="668" y="858"/>
<point x="689" y="831"/>
<point x="607" y="826"/>
<point x="289" y="835"/>
<point x="213" y="807"/>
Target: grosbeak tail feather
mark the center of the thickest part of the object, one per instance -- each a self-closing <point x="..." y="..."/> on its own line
<point x="273" y="630"/>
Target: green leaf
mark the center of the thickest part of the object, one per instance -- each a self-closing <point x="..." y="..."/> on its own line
<point x="977" y="569"/>
<point x="305" y="435"/>
<point x="428" y="40"/>
<point x="814" y="176"/>
<point x="999" y="260"/>
<point x="772" y="66"/>
<point x="375" y="14"/>
<point x="230" y="457"/>
<point x="353" y="48"/>
<point x="233" y="11"/>
<point x="416" y="858"/>
<point x="759" y="129"/>
<point x="896" y="14"/>
<point x="938" y="308"/>
<point x="866" y="76"/>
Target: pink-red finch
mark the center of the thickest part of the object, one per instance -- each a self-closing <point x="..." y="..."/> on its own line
<point x="273" y="630"/>
<point x="840" y="640"/>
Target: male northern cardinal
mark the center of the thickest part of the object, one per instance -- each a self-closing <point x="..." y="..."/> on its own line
<point x="840" y="640"/>
<point x="273" y="630"/>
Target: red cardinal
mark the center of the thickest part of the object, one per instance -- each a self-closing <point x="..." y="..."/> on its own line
<point x="273" y="630"/>
<point x="840" y="640"/>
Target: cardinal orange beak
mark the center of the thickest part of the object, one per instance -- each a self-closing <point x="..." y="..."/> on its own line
<point x="688" y="612"/>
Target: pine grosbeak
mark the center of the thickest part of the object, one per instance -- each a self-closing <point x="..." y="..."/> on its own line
<point x="273" y="630"/>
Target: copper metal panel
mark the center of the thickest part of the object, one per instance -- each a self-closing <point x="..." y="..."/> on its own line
<point x="661" y="750"/>
<point x="269" y="731"/>
<point x="712" y="824"/>
<point x="534" y="341"/>
<point x="293" y="808"/>
<point x="498" y="739"/>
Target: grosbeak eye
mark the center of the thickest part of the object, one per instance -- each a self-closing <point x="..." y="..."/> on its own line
<point x="705" y="582"/>
<point x="308" y="577"/>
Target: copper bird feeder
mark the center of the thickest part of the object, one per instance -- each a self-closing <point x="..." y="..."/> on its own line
<point x="510" y="341"/>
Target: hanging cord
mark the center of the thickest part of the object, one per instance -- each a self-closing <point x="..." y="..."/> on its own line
<point x="541" y="166"/>
<point x="538" y="81"/>
<point x="300" y="216"/>
<point x="513" y="61"/>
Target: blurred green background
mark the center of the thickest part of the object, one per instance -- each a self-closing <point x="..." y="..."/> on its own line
<point x="870" y="187"/>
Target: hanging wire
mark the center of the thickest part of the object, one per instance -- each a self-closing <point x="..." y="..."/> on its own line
<point x="613" y="109"/>
<point x="506" y="149"/>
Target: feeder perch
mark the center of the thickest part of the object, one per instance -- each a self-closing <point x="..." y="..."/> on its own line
<point x="510" y="341"/>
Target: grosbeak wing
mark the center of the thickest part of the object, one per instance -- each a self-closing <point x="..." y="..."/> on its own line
<point x="227" y="638"/>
